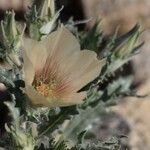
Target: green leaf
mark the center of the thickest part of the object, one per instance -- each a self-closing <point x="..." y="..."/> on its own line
<point x="92" y="39"/>
<point x="55" y="121"/>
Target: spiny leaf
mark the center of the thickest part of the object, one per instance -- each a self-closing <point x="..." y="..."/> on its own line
<point x="92" y="39"/>
<point x="56" y="120"/>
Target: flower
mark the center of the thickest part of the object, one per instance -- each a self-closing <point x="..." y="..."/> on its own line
<point x="55" y="69"/>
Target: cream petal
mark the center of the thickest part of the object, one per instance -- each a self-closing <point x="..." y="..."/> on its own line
<point x="35" y="98"/>
<point x="78" y="63"/>
<point x="29" y="71"/>
<point x="38" y="100"/>
<point x="35" y="51"/>
<point x="84" y="62"/>
<point x="70" y="62"/>
<point x="84" y="59"/>
<point x="75" y="65"/>
<point x="77" y="98"/>
<point x="72" y="99"/>
<point x="83" y="67"/>
<point x="92" y="71"/>
<point x="61" y="44"/>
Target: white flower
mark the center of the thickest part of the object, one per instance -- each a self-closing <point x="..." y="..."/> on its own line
<point x="56" y="69"/>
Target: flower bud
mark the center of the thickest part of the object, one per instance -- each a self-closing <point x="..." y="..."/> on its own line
<point x="47" y="9"/>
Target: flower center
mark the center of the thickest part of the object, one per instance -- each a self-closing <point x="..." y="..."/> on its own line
<point x="45" y="89"/>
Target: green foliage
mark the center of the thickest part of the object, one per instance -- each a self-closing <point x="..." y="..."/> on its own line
<point x="122" y="50"/>
<point x="58" y="119"/>
<point x="41" y="19"/>
<point x="54" y="146"/>
<point x="10" y="43"/>
<point x="94" y="107"/>
<point x="22" y="137"/>
<point x="110" y="144"/>
<point x="92" y="39"/>
<point x="6" y="77"/>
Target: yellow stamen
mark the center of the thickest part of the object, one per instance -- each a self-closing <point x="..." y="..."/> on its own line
<point x="46" y="90"/>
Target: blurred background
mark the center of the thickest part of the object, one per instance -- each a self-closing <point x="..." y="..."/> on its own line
<point x="132" y="116"/>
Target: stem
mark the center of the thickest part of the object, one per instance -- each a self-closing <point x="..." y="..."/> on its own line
<point x="49" y="127"/>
